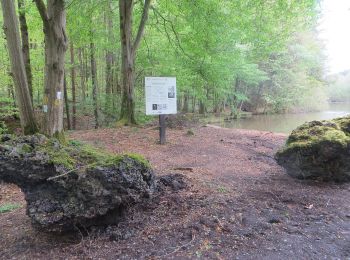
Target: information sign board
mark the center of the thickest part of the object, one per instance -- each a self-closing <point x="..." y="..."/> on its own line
<point x="160" y="95"/>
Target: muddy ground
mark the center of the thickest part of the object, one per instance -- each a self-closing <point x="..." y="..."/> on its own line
<point x="238" y="204"/>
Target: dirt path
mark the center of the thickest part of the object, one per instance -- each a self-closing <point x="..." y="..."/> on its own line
<point x="240" y="205"/>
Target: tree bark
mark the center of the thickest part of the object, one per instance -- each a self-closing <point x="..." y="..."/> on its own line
<point x="94" y="79"/>
<point x="82" y="75"/>
<point x="73" y="85"/>
<point x="54" y="23"/>
<point x="193" y="104"/>
<point x="202" y="109"/>
<point x="128" y="56"/>
<point x="25" y="45"/>
<point x="110" y="58"/>
<point x="24" y="102"/>
<point x="185" y="107"/>
<point x="66" y="101"/>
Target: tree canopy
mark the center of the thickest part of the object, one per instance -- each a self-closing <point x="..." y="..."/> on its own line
<point x="257" y="55"/>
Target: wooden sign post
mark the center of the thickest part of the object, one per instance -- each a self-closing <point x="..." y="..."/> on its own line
<point x="162" y="128"/>
<point x="161" y="100"/>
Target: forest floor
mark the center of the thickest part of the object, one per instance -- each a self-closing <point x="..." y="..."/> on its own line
<point x="238" y="204"/>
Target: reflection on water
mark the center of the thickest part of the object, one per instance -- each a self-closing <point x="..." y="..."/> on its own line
<point x="285" y="123"/>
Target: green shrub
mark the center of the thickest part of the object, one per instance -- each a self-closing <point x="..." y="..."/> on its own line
<point x="3" y="128"/>
<point x="7" y="109"/>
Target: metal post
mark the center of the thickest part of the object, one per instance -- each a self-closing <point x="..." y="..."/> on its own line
<point x="162" y="127"/>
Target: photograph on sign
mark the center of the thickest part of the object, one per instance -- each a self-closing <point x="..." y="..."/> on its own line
<point x="160" y="95"/>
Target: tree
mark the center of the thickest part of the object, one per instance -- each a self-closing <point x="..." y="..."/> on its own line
<point x="110" y="60"/>
<point x="24" y="103"/>
<point x="210" y="45"/>
<point x="129" y="48"/>
<point x="94" y="76"/>
<point x="54" y="23"/>
<point x="25" y="45"/>
<point x="74" y="123"/>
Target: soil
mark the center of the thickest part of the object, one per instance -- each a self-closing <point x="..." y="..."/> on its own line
<point x="237" y="204"/>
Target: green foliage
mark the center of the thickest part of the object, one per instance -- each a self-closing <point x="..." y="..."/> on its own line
<point x="209" y="45"/>
<point x="295" y="77"/>
<point x="7" y="108"/>
<point x="8" y="207"/>
<point x="3" y="128"/>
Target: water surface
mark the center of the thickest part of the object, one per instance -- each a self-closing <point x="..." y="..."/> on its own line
<point x="285" y="123"/>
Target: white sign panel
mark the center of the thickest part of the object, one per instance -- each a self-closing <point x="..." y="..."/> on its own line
<point x="160" y="95"/>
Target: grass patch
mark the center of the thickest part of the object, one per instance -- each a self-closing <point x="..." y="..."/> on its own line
<point x="8" y="207"/>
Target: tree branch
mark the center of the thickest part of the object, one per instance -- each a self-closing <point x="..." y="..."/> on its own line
<point x="42" y="11"/>
<point x="142" y="25"/>
<point x="172" y="27"/>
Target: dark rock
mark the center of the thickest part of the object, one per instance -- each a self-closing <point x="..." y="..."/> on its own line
<point x="274" y="220"/>
<point x="318" y="150"/>
<point x="175" y="181"/>
<point x="67" y="186"/>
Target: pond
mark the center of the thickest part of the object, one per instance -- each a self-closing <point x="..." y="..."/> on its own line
<point x="285" y="123"/>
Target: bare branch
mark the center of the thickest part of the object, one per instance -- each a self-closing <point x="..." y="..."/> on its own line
<point x="142" y="25"/>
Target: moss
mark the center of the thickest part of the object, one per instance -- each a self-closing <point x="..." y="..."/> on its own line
<point x="316" y="132"/>
<point x="74" y="143"/>
<point x="72" y="154"/>
<point x="26" y="148"/>
<point x="336" y="136"/>
<point x="86" y="155"/>
<point x="62" y="157"/>
<point x="58" y="154"/>
<point x="60" y="137"/>
<point x="343" y="123"/>
<point x="90" y="155"/>
<point x="139" y="158"/>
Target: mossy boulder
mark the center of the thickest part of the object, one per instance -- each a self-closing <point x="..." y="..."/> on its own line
<point x="318" y="150"/>
<point x="72" y="185"/>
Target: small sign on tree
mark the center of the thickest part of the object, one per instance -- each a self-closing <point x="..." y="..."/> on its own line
<point x="161" y="100"/>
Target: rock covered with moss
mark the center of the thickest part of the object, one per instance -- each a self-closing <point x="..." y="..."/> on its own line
<point x="318" y="150"/>
<point x="67" y="186"/>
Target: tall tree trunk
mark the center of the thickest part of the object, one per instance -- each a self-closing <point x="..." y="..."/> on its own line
<point x="54" y="21"/>
<point x="201" y="108"/>
<point x="87" y="69"/>
<point x="216" y="104"/>
<point x="185" y="107"/>
<point x="117" y="89"/>
<point x="82" y="75"/>
<point x="128" y="56"/>
<point x="25" y="45"/>
<point x="73" y="84"/>
<point x="66" y="101"/>
<point x="128" y="59"/>
<point x="110" y="57"/>
<point x="94" y="79"/>
<point x="11" y="30"/>
<point x="193" y="104"/>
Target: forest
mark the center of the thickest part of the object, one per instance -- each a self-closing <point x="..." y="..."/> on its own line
<point x="252" y="161"/>
<point x="256" y="56"/>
